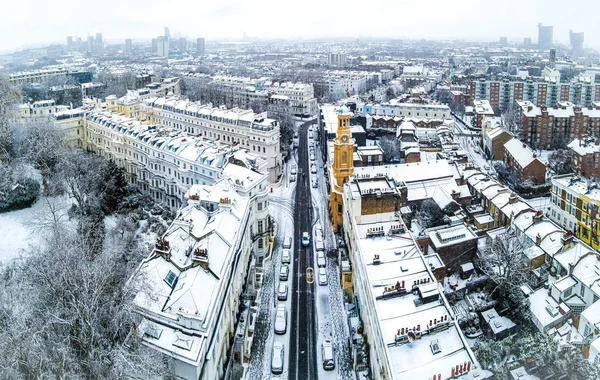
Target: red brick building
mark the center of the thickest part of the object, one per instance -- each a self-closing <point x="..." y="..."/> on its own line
<point x="543" y="125"/>
<point x="586" y="154"/>
<point x="521" y="159"/>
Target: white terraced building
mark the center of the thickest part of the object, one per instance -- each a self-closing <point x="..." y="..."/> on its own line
<point x="280" y="97"/>
<point x="241" y="128"/>
<point x="162" y="162"/>
<point x="195" y="277"/>
<point x="411" y="329"/>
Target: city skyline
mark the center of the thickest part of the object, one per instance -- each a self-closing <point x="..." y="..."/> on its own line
<point x="229" y="20"/>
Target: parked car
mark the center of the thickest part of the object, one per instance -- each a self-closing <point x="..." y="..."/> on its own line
<point x="277" y="358"/>
<point x="322" y="276"/>
<point x="293" y="169"/>
<point x="313" y="168"/>
<point x="292" y="178"/>
<point x="315" y="184"/>
<point x="312" y="156"/>
<point x="320" y="259"/>
<point x="281" y="320"/>
<point x="327" y="356"/>
<point x="305" y="239"/>
<point x="319" y="245"/>
<point x="287" y="242"/>
<point x="283" y="292"/>
<point x="284" y="272"/>
<point x="285" y="256"/>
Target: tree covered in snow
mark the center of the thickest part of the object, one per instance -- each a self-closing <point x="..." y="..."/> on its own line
<point x="430" y="214"/>
<point x="390" y="146"/>
<point x="18" y="187"/>
<point x="9" y="96"/>
<point x="561" y="161"/>
<point x="513" y="120"/>
<point x="68" y="314"/>
<point x="502" y="259"/>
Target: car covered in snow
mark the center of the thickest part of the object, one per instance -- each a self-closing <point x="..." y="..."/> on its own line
<point x="313" y="169"/>
<point x="281" y="320"/>
<point x="287" y="242"/>
<point x="286" y="256"/>
<point x="322" y="276"/>
<point x="284" y="272"/>
<point x="327" y="356"/>
<point x="320" y="259"/>
<point x="282" y="292"/>
<point x="277" y="358"/>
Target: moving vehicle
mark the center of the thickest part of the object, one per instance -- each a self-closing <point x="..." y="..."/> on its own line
<point x="284" y="272"/>
<point x="283" y="292"/>
<point x="320" y="259"/>
<point x="287" y="242"/>
<point x="285" y="256"/>
<point x="305" y="239"/>
<point x="327" y="356"/>
<point x="322" y="276"/>
<point x="281" y="320"/>
<point x="277" y="358"/>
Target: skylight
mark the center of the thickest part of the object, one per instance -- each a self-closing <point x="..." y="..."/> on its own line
<point x="435" y="347"/>
<point x="183" y="342"/>
<point x="170" y="278"/>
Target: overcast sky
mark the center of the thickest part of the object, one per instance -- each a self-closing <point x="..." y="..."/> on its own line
<point x="27" y="22"/>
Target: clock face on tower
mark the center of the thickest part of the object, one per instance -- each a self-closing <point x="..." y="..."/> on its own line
<point x="344" y="138"/>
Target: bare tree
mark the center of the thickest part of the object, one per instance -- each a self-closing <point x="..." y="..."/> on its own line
<point x="9" y="96"/>
<point x="391" y="148"/>
<point x="513" y="120"/>
<point x="502" y="259"/>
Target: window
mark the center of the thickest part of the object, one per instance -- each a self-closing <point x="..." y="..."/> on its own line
<point x="259" y="206"/>
<point x="582" y="291"/>
<point x="344" y="158"/>
<point x="170" y="278"/>
<point x="260" y="226"/>
<point x="260" y="243"/>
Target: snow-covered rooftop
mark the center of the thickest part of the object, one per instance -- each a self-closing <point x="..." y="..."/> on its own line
<point x="520" y="152"/>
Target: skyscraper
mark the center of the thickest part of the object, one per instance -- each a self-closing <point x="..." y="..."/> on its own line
<point x="167" y="33"/>
<point x="503" y="41"/>
<point x="128" y="46"/>
<point x="552" y="58"/>
<point x="527" y="41"/>
<point x="90" y="44"/>
<point x="576" y="43"/>
<point x="545" y="36"/>
<point x="155" y="45"/>
<point x="200" y="47"/>
<point x="70" y="45"/>
<point x="162" y="46"/>
<point x="182" y="45"/>
<point x="99" y="43"/>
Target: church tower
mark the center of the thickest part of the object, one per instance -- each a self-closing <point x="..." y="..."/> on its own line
<point x="342" y="169"/>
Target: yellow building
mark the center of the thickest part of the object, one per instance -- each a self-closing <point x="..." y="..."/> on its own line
<point x="342" y="168"/>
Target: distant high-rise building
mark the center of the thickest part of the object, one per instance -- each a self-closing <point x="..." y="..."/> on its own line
<point x="545" y="36"/>
<point x="155" y="45"/>
<point x="552" y="58"/>
<point x="167" y="32"/>
<point x="200" y="47"/>
<point x="70" y="45"/>
<point x="99" y="43"/>
<point x="337" y="59"/>
<point x="527" y="41"/>
<point x="182" y="45"/>
<point x="503" y="41"/>
<point x="162" y="46"/>
<point x="128" y="46"/>
<point x="79" y="45"/>
<point x="90" y="44"/>
<point x="576" y="43"/>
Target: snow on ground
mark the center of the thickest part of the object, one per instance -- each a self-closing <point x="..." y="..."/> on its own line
<point x="542" y="203"/>
<point x="281" y="208"/>
<point x="20" y="229"/>
<point x="331" y="315"/>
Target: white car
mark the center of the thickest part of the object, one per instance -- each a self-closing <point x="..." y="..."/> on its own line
<point x="315" y="183"/>
<point x="281" y="320"/>
<point x="285" y="256"/>
<point x="312" y="156"/>
<point x="292" y="178"/>
<point x="322" y="276"/>
<point x="320" y="259"/>
<point x="277" y="358"/>
<point x="313" y="168"/>
<point x="327" y="356"/>
<point x="287" y="242"/>
<point x="305" y="239"/>
<point x="283" y="292"/>
<point x="319" y="245"/>
<point x="293" y="169"/>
